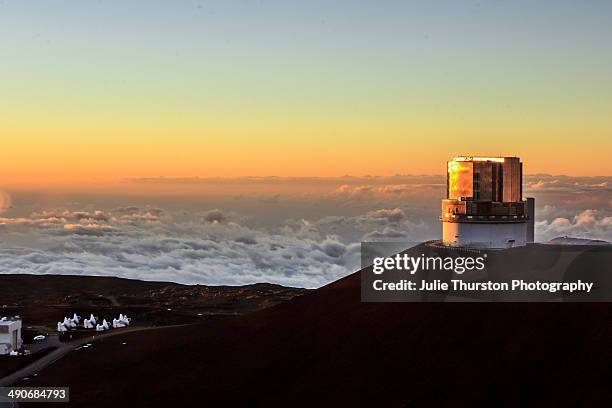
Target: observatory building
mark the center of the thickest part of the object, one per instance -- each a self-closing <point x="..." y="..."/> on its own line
<point x="484" y="204"/>
<point x="10" y="335"/>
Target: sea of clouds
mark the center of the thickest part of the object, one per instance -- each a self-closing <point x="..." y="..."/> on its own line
<point x="275" y="233"/>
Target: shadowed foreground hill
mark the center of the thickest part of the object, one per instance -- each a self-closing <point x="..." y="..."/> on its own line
<point x="43" y="300"/>
<point x="328" y="348"/>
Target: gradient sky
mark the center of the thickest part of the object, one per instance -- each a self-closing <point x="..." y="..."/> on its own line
<point x="94" y="91"/>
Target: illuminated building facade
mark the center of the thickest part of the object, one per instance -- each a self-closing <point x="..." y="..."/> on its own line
<point x="484" y="204"/>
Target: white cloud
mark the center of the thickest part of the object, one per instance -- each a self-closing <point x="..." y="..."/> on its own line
<point x="589" y="223"/>
<point x="155" y="245"/>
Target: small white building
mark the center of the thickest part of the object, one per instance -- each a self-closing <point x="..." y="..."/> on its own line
<point x="10" y="335"/>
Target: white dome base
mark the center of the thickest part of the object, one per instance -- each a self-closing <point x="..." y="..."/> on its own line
<point x="484" y="235"/>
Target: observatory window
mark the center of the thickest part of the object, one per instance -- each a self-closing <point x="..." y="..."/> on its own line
<point x="460" y="180"/>
<point x="476" y="186"/>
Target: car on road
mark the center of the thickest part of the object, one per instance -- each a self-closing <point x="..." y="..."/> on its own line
<point x="40" y="337"/>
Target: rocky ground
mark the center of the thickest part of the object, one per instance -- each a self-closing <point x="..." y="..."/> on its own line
<point x="43" y="300"/>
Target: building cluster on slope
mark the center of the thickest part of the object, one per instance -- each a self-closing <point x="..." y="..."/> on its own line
<point x="92" y="323"/>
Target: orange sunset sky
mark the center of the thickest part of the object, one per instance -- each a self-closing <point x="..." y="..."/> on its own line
<point x="110" y="91"/>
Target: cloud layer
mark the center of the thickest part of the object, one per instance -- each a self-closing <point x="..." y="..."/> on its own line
<point x="306" y="236"/>
<point x="210" y="248"/>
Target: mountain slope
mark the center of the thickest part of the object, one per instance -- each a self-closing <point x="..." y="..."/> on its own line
<point x="328" y="348"/>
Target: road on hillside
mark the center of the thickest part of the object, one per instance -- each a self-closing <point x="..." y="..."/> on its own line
<point x="65" y="348"/>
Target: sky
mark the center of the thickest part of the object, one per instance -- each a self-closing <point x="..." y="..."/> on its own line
<point x="234" y="142"/>
<point x="101" y="91"/>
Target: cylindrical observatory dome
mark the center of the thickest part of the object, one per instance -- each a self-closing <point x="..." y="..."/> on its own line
<point x="484" y="204"/>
